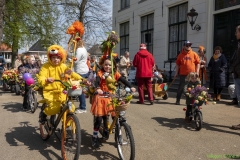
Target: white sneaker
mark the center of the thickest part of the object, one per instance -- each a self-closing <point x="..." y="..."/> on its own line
<point x="80" y="111"/>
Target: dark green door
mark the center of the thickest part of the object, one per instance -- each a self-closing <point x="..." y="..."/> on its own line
<point x="224" y="33"/>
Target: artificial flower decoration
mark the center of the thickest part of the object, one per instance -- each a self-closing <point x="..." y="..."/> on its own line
<point x="199" y="94"/>
<point x="116" y="102"/>
<point x="10" y="75"/>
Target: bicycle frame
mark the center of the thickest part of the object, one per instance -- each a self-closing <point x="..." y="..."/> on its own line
<point x="63" y="115"/>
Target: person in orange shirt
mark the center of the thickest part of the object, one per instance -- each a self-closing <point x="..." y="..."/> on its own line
<point x="187" y="61"/>
<point x="100" y="104"/>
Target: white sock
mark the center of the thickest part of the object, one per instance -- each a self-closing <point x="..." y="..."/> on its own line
<point x="95" y="134"/>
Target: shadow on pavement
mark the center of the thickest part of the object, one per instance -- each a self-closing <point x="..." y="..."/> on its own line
<point x="12" y="106"/>
<point x="87" y="148"/>
<point x="177" y="123"/>
<point x="174" y="123"/>
<point x="26" y="135"/>
<point x="219" y="128"/>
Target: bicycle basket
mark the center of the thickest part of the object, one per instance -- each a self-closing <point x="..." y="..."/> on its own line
<point x="122" y="107"/>
<point x="75" y="92"/>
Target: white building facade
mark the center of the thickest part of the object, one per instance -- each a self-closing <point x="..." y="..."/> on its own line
<point x="164" y="26"/>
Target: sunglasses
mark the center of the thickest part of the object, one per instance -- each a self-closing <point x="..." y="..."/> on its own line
<point x="188" y="45"/>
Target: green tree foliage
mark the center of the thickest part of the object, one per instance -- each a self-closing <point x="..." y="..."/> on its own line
<point x="2" y="10"/>
<point x="27" y="21"/>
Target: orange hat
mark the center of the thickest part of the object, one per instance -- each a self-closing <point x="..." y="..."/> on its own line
<point x="201" y="48"/>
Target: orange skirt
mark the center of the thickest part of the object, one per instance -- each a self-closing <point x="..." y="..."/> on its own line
<point x="101" y="107"/>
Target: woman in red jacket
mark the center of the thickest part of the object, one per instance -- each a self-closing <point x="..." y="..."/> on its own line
<point x="144" y="63"/>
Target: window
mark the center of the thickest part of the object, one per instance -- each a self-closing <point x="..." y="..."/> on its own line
<point x="124" y="37"/>
<point x="220" y="4"/>
<point x="177" y="29"/>
<point x="125" y="4"/>
<point x="147" y="25"/>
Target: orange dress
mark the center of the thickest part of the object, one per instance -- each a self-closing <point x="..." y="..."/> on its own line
<point x="203" y="71"/>
<point x="100" y="104"/>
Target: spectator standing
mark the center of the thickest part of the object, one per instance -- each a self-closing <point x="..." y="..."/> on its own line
<point x="125" y="64"/>
<point x="2" y="63"/>
<point x="203" y="61"/>
<point x="144" y="62"/>
<point x="18" y="61"/>
<point x="94" y="65"/>
<point x="81" y="67"/>
<point x="236" y="70"/>
<point x="187" y="61"/>
<point x="38" y="60"/>
<point x="217" y="66"/>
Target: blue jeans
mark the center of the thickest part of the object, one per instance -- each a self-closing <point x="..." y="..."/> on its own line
<point x="237" y="89"/>
<point x="82" y="98"/>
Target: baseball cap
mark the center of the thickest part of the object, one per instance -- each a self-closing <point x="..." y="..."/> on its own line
<point x="187" y="42"/>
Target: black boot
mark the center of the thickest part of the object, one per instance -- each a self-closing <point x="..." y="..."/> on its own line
<point x="234" y="101"/>
<point x="95" y="142"/>
<point x="42" y="117"/>
<point x="106" y="134"/>
<point x="177" y="102"/>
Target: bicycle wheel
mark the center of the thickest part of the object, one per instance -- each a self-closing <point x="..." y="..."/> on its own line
<point x="17" y="89"/>
<point x="70" y="145"/>
<point x="12" y="88"/>
<point x="198" y="121"/>
<point x="5" y="86"/>
<point x="125" y="142"/>
<point x="32" y="101"/>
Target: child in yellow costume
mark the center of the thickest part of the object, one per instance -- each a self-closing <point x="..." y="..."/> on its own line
<point x="51" y="70"/>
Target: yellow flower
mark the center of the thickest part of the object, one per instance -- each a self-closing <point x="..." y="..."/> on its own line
<point x="196" y="101"/>
<point x="203" y="93"/>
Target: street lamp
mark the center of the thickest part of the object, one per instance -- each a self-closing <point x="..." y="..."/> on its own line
<point x="192" y="16"/>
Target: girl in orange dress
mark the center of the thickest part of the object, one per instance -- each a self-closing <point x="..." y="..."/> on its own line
<point x="203" y="62"/>
<point x="100" y="104"/>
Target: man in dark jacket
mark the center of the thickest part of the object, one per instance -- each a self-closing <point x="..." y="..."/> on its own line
<point x="2" y="63"/>
<point x="236" y="71"/>
<point x="144" y="63"/>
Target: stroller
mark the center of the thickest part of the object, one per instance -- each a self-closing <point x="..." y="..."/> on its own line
<point x="159" y="90"/>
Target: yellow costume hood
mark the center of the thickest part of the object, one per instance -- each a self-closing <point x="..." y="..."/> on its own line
<point x="56" y="50"/>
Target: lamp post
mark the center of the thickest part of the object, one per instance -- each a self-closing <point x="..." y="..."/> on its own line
<point x="192" y="16"/>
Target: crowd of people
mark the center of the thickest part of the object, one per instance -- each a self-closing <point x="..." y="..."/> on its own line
<point x="191" y="68"/>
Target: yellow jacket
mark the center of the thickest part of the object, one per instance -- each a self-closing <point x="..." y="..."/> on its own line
<point x="52" y="92"/>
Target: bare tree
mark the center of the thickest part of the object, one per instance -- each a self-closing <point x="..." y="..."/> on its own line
<point x="2" y="8"/>
<point x="96" y="15"/>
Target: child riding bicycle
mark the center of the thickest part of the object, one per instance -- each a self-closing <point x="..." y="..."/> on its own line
<point x="28" y="66"/>
<point x="100" y="105"/>
<point x="192" y="81"/>
<point x="52" y="92"/>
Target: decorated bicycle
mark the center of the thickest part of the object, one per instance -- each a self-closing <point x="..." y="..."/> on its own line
<point x="9" y="79"/>
<point x="60" y="84"/>
<point x="105" y="102"/>
<point x="196" y="96"/>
